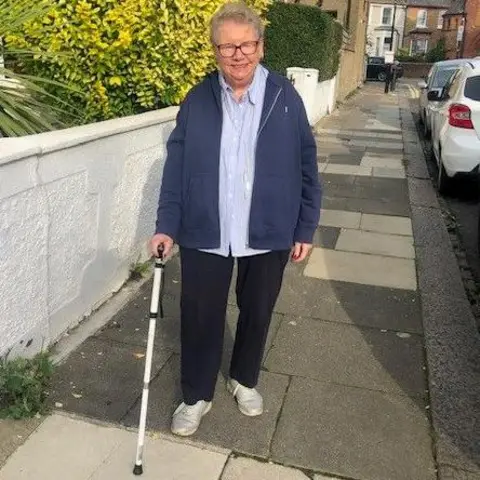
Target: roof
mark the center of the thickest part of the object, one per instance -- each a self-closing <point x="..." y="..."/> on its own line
<point x="457" y="7"/>
<point x="429" y="3"/>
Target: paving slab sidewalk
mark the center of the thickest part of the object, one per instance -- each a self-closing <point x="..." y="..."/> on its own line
<point x="344" y="374"/>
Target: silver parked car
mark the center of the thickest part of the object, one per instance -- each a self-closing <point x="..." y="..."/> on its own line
<point x="437" y="78"/>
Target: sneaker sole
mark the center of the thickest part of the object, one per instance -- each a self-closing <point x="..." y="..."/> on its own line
<point x="254" y="413"/>
<point x="188" y="433"/>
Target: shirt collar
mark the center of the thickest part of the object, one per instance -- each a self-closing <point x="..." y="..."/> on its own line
<point x="253" y="91"/>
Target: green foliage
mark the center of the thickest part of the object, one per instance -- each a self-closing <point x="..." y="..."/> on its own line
<point x="126" y="56"/>
<point x="437" y="53"/>
<point x="23" y="384"/>
<point x="302" y="36"/>
<point x="139" y="270"/>
<point x="25" y="105"/>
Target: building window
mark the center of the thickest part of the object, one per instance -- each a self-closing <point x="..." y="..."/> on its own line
<point x="387" y="16"/>
<point x="418" y="46"/>
<point x="441" y="13"/>
<point x="422" y="19"/>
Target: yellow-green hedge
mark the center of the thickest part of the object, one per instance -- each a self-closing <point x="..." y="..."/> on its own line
<point x="127" y="56"/>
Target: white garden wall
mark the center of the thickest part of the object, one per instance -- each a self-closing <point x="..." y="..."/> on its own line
<point x="76" y="209"/>
<point x="325" y="100"/>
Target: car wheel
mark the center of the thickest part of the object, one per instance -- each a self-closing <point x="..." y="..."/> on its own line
<point x="478" y="233"/>
<point x="382" y="76"/>
<point x="444" y="181"/>
<point x="426" y="130"/>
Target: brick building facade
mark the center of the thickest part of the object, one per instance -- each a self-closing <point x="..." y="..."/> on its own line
<point x="424" y="25"/>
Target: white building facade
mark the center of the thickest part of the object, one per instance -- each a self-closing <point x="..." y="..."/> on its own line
<point x="382" y="15"/>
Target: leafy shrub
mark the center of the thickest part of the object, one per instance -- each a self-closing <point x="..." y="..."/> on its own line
<point x="126" y="56"/>
<point x="437" y="53"/>
<point x="23" y="384"/>
<point x="302" y="36"/>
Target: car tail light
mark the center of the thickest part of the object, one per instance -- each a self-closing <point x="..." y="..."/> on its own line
<point x="460" y="116"/>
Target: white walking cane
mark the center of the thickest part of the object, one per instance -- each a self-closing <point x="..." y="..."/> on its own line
<point x="157" y="291"/>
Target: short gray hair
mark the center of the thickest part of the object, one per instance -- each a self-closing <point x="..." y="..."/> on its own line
<point x="237" y="12"/>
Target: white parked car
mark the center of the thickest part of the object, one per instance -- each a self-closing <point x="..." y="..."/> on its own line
<point x="455" y="124"/>
<point x="437" y="78"/>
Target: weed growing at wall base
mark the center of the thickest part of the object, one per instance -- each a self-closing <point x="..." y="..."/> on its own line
<point x="23" y="386"/>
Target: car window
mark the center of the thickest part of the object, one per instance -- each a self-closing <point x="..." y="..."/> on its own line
<point x="472" y="88"/>
<point x="453" y="84"/>
<point x="442" y="76"/>
<point x="431" y="73"/>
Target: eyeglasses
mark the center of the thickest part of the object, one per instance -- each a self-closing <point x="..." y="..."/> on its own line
<point x="228" y="50"/>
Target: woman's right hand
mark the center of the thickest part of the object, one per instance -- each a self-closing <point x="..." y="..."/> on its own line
<point x="161" y="242"/>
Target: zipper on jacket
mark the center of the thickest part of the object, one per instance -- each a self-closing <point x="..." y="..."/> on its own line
<point x="268" y="116"/>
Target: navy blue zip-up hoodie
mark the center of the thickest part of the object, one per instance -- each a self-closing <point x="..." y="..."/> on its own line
<point x="286" y="192"/>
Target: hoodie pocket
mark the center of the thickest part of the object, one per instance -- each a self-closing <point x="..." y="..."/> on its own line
<point x="200" y="211"/>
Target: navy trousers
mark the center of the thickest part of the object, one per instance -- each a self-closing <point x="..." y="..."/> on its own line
<point x="206" y="281"/>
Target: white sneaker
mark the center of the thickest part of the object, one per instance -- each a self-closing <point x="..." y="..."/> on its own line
<point x="186" y="418"/>
<point x="249" y="401"/>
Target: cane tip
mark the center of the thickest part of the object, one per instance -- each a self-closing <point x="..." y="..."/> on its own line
<point x="138" y="470"/>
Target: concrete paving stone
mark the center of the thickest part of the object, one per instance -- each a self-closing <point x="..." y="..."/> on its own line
<point x="163" y="459"/>
<point x="362" y="268"/>
<point x="354" y="433"/>
<point x="337" y="148"/>
<point x="385" y="188"/>
<point x="446" y="472"/>
<point x="361" y="133"/>
<point x="354" y="158"/>
<point x="63" y="448"/>
<point x="338" y="179"/>
<point x="382" y="162"/>
<point x="386" y="224"/>
<point x="429" y="227"/>
<point x="349" y="355"/>
<point x="326" y="237"/>
<point x="14" y="433"/>
<point x="376" y="207"/>
<point x="438" y="272"/>
<point x="388" y="172"/>
<point x="224" y="426"/>
<point x="376" y="243"/>
<point x="422" y="193"/>
<point x="361" y="305"/>
<point x="333" y="203"/>
<point x="249" y="469"/>
<point x="340" y="219"/>
<point x="330" y="139"/>
<point x="102" y="379"/>
<point x="453" y="353"/>
<point x="340" y="169"/>
<point x="395" y="146"/>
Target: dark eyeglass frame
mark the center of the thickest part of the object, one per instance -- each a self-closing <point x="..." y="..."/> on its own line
<point x="238" y="47"/>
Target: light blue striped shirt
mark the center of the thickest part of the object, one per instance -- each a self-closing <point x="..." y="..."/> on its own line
<point x="241" y="121"/>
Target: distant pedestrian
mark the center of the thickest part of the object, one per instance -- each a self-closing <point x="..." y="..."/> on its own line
<point x="240" y="184"/>
<point x="388" y="76"/>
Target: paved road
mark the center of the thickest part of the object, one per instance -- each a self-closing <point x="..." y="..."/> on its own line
<point x="461" y="211"/>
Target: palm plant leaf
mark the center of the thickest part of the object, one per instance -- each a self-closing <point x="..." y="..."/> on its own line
<point x="26" y="106"/>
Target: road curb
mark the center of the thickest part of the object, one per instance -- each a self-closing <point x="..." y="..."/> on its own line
<point x="452" y="340"/>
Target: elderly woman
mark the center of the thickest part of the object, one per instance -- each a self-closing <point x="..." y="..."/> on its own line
<point x="240" y="184"/>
